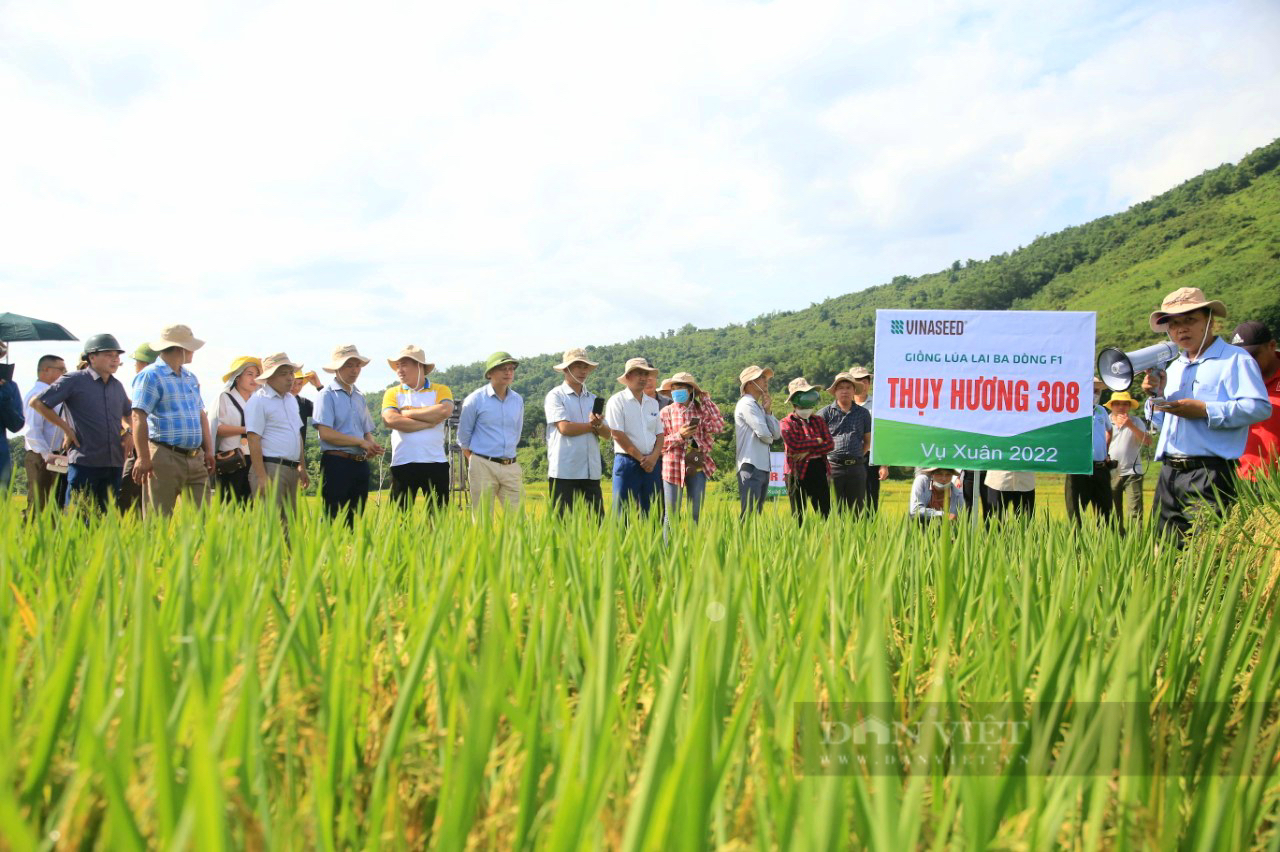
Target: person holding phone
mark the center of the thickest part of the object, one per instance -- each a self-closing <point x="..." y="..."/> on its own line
<point x="689" y="424"/>
<point x="575" y="425"/>
<point x="1212" y="394"/>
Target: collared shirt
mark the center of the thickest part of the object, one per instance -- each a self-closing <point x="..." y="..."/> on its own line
<point x="849" y="429"/>
<point x="172" y="403"/>
<point x="96" y="408"/>
<point x="274" y="418"/>
<point x="922" y="496"/>
<point x="1101" y="429"/>
<point x="809" y="437"/>
<point x="754" y="433"/>
<point x="1227" y="379"/>
<point x="42" y="436"/>
<point x="232" y="411"/>
<point x="674" y="418"/>
<point x="638" y="419"/>
<point x="424" y="445"/>
<point x="1126" y="449"/>
<point x="491" y="426"/>
<point x="1011" y="480"/>
<point x="342" y="411"/>
<point x="1262" y="449"/>
<point x="576" y="457"/>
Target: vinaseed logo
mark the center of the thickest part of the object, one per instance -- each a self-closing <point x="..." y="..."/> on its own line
<point x="949" y="328"/>
<point x="895" y="326"/>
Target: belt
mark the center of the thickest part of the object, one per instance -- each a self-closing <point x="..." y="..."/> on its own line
<point x="279" y="461"/>
<point x="1100" y="465"/>
<point x="182" y="451"/>
<point x="845" y="462"/>
<point x="351" y="456"/>
<point x="1193" y="462"/>
<point x="494" y="460"/>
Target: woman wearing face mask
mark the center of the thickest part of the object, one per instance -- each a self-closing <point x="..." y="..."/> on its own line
<point x="690" y="424"/>
<point x="934" y="495"/>
<point x="807" y="440"/>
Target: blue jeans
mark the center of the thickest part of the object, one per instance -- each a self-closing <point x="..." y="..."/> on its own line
<point x="101" y="483"/>
<point x="696" y="483"/>
<point x="753" y="486"/>
<point x="632" y="483"/>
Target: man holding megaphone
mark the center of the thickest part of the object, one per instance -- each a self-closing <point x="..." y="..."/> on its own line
<point x="1212" y="393"/>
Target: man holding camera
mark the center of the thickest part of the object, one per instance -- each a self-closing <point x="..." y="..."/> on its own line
<point x="1212" y="394"/>
<point x="575" y="425"/>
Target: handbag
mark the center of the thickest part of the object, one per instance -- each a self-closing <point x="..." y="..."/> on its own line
<point x="231" y="461"/>
<point x="695" y="460"/>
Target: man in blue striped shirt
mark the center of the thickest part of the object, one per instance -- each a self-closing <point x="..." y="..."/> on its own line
<point x="1212" y="394"/>
<point x="345" y="427"/>
<point x="170" y="427"/>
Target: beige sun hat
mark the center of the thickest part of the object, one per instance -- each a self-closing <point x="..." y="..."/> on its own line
<point x="1184" y="300"/>
<point x="176" y="335"/>
<point x="750" y="374"/>
<point x="341" y="355"/>
<point x="680" y="378"/>
<point x="271" y="363"/>
<point x="636" y="364"/>
<point x="573" y="356"/>
<point x="414" y="352"/>
<point x="858" y="372"/>
<point x="799" y="385"/>
<point x="845" y="376"/>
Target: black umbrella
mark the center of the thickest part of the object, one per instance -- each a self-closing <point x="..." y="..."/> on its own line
<point x="15" y="327"/>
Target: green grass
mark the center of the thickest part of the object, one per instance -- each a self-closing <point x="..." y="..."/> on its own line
<point x="442" y="680"/>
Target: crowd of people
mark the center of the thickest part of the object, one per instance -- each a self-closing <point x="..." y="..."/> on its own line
<point x="1215" y="417"/>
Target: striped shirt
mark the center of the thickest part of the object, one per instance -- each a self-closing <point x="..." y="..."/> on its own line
<point x="172" y="403"/>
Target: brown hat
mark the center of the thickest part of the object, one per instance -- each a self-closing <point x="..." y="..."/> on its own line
<point x="799" y="385"/>
<point x="341" y="355"/>
<point x="271" y="363"/>
<point x="750" y="374"/>
<point x="636" y="364"/>
<point x="176" y="335"/>
<point x="414" y="352"/>
<point x="680" y="379"/>
<point x="1181" y="301"/>
<point x="574" y="356"/>
<point x="858" y="372"/>
<point x="845" y="376"/>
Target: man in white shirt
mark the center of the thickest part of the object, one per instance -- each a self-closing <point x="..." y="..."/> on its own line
<point x="1011" y="490"/>
<point x="573" y="437"/>
<point x="415" y="410"/>
<point x="632" y="417"/>
<point x="1129" y="436"/>
<point x="275" y="437"/>
<point x="755" y="430"/>
<point x="43" y="438"/>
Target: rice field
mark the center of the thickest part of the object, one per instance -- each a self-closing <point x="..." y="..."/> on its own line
<point x="524" y="682"/>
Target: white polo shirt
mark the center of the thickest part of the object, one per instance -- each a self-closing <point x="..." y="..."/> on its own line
<point x="637" y="418"/>
<point x="425" y="445"/>
<point x="274" y="418"/>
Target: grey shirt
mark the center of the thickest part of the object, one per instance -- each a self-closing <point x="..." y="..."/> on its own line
<point x="96" y="408"/>
<point x="849" y="430"/>
<point x="754" y="431"/>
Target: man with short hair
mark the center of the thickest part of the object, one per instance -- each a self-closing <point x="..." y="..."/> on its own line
<point x="489" y="429"/>
<point x="273" y="427"/>
<point x="99" y="409"/>
<point x="850" y="427"/>
<point x="346" y="436"/>
<point x="11" y="420"/>
<point x="862" y="379"/>
<point x="1125" y="449"/>
<point x="632" y="418"/>
<point x="415" y="410"/>
<point x="1214" y="394"/>
<point x="306" y="408"/>
<point x="43" y="438"/>
<point x="170" y="427"/>
<point x="1093" y="488"/>
<point x="130" y="493"/>
<point x="1261" y="455"/>
<point x="755" y="430"/>
<point x="574" y="464"/>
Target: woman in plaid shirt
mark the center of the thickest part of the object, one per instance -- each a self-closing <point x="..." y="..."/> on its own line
<point x="690" y="424"/>
<point x="807" y="440"/>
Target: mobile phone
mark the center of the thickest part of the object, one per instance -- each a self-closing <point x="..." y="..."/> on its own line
<point x="6" y="372"/>
<point x="597" y="407"/>
<point x="694" y="421"/>
<point x="1160" y="403"/>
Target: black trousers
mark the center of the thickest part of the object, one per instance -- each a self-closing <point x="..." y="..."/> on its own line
<point x="1019" y="502"/>
<point x="812" y="489"/>
<point x="344" y="488"/>
<point x="414" y="478"/>
<point x="1089" y="489"/>
<point x="235" y="486"/>
<point x="1184" y="495"/>
<point x="873" y="483"/>
<point x="850" y="482"/>
<point x="563" y="493"/>
<point x="977" y="479"/>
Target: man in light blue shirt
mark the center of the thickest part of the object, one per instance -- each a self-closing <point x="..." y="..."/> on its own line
<point x="345" y="427"/>
<point x="1093" y="488"/>
<point x="43" y="438"/>
<point x="488" y="431"/>
<point x="1212" y="394"/>
<point x="755" y="430"/>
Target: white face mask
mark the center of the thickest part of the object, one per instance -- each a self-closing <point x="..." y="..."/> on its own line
<point x="804" y="413"/>
<point x="939" y="486"/>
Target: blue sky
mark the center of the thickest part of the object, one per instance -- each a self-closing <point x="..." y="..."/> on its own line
<point x="468" y="177"/>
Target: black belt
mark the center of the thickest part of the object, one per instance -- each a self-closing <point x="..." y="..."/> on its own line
<point x="279" y="461"/>
<point x="492" y="459"/>
<point x="191" y="453"/>
<point x="845" y="462"/>
<point x="1193" y="462"/>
